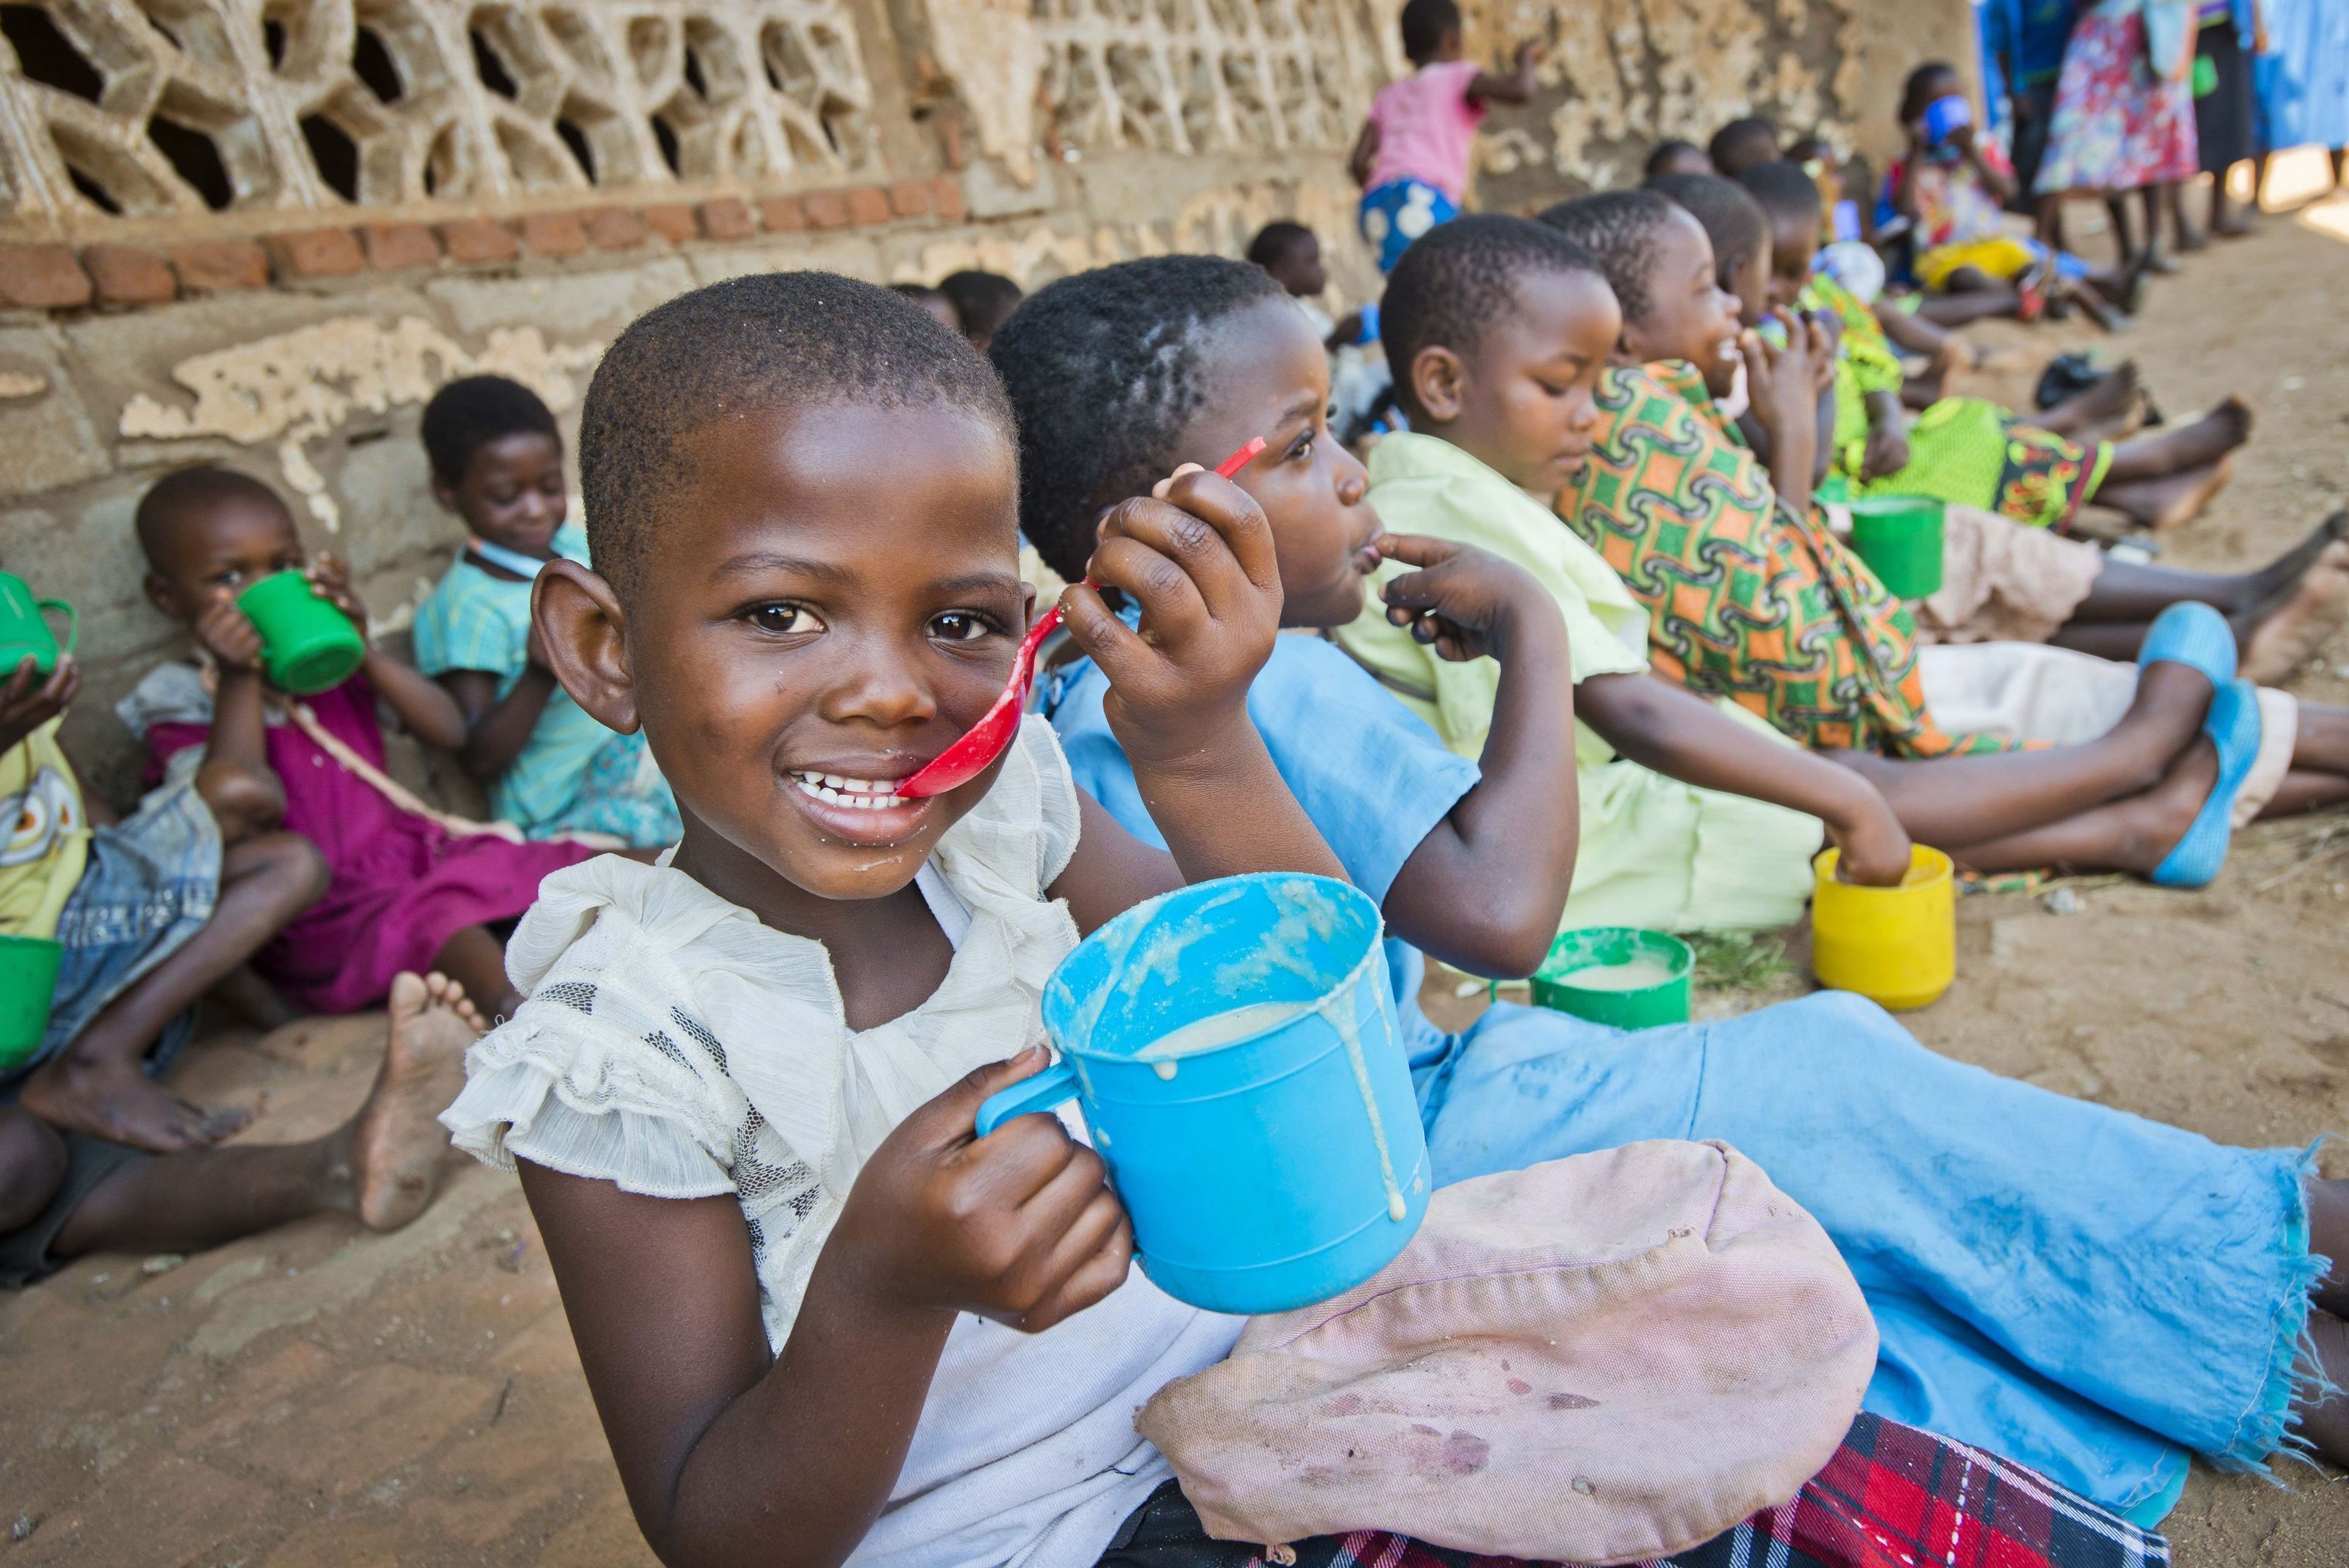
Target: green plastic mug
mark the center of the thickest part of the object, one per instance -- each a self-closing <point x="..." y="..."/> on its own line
<point x="28" y="978"/>
<point x="1900" y="538"/>
<point x="22" y="631"/>
<point x="307" y="645"/>
<point x="1618" y="975"/>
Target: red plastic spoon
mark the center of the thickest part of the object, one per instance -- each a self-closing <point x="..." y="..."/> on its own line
<point x="987" y="740"/>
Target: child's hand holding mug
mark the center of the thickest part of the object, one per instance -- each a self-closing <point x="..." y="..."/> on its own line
<point x="1020" y="1226"/>
<point x="1462" y="602"/>
<point x="1196" y="555"/>
<point x="224" y="630"/>
<point x="332" y="581"/>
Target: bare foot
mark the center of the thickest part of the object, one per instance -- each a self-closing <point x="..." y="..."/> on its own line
<point x="396" y="1139"/>
<point x="2290" y="635"/>
<point x="116" y="1102"/>
<point x="2167" y="501"/>
<point x="2112" y="405"/>
<point x="2206" y="440"/>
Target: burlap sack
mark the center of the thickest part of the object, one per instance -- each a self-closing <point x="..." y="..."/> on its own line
<point x="1602" y="1359"/>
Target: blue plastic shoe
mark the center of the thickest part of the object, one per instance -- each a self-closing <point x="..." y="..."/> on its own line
<point x="2193" y="635"/>
<point x="2234" y="725"/>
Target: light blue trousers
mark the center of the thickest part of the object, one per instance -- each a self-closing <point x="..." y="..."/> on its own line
<point x="2076" y="1288"/>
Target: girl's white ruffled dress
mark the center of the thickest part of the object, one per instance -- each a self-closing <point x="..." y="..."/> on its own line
<point x="676" y="1047"/>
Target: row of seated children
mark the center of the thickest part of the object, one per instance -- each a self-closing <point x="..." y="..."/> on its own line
<point x="309" y="860"/>
<point x="152" y="911"/>
<point x="741" y="1091"/>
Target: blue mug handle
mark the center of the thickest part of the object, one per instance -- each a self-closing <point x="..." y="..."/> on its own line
<point x="1055" y="1085"/>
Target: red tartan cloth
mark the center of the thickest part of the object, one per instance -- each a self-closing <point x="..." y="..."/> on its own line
<point x="1892" y="1496"/>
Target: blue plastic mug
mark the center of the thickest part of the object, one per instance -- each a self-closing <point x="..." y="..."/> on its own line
<point x="1280" y="1162"/>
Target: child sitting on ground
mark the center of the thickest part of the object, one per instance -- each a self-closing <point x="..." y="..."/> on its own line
<point x="1412" y="158"/>
<point x="743" y="1091"/>
<point x="63" y="1193"/>
<point x="1799" y="631"/>
<point x="2020" y="583"/>
<point x="152" y="912"/>
<point x="1785" y="625"/>
<point x="409" y="889"/>
<point x="1953" y="186"/>
<point x="1121" y="375"/>
<point x="497" y="465"/>
<point x="1964" y="449"/>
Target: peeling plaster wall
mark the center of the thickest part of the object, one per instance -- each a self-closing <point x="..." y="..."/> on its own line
<point x="1065" y="147"/>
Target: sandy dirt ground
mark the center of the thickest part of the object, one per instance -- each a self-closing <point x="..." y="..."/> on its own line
<point x="320" y="1395"/>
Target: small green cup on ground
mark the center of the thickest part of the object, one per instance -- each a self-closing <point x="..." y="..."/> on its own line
<point x="28" y="978"/>
<point x="1900" y="538"/>
<point x="1618" y="975"/>
<point x="307" y="645"/>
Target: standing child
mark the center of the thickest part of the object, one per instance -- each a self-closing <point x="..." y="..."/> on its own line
<point x="409" y="889"/>
<point x="1412" y="158"/>
<point x="497" y="464"/>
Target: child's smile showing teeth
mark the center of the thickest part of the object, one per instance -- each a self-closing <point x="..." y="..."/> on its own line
<point x="858" y="795"/>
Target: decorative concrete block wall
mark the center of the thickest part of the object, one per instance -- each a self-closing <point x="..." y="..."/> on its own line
<point x="261" y="231"/>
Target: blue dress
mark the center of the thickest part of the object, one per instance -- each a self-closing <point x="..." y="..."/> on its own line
<point x="2304" y="81"/>
<point x="2084" y="1291"/>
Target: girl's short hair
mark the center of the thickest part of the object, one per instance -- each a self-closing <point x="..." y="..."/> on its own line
<point x="472" y="412"/>
<point x="1103" y="372"/>
<point x="770" y="342"/>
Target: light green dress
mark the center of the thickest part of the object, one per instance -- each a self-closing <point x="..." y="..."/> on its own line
<point x="1654" y="852"/>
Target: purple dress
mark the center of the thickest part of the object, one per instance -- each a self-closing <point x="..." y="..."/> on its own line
<point x="402" y="885"/>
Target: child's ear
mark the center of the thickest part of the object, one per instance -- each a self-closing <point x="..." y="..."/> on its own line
<point x="444" y="494"/>
<point x="584" y="632"/>
<point x="1439" y="383"/>
<point x="161" y="593"/>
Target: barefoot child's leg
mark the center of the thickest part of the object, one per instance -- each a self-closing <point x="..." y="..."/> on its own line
<point x="2205" y="441"/>
<point x="96" y="1085"/>
<point x="2169" y="502"/>
<point x="379" y="1167"/>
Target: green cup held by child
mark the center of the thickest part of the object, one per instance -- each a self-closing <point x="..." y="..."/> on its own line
<point x="1618" y="975"/>
<point x="307" y="645"/>
<point x="24" y="633"/>
<point x="1900" y="538"/>
<point x="28" y="975"/>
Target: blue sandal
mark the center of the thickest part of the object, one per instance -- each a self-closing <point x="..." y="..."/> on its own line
<point x="2193" y="635"/>
<point x="2233" y="724"/>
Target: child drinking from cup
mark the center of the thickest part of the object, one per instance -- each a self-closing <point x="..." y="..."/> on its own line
<point x="743" y="1093"/>
<point x="408" y="888"/>
<point x="497" y="464"/>
<point x="2149" y="1322"/>
<point x="150" y="912"/>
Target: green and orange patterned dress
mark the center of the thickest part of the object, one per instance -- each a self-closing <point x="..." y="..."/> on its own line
<point x="1961" y="450"/>
<point x="1745" y="600"/>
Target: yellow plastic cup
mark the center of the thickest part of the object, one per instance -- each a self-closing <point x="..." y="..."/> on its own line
<point x="1895" y="946"/>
